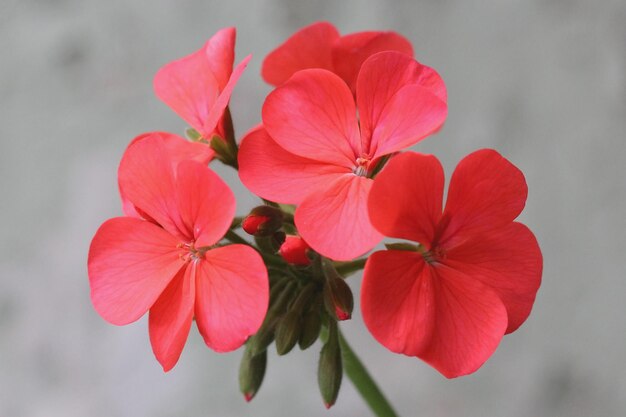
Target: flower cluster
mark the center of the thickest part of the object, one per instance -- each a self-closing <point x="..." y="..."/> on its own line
<point x="329" y="161"/>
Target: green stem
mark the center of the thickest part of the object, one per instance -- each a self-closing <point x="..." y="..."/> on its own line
<point x="363" y="382"/>
<point x="348" y="268"/>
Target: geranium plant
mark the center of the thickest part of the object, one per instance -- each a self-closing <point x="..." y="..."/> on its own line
<point x="329" y="162"/>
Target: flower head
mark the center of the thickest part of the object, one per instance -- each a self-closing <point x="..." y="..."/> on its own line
<point x="474" y="276"/>
<point x="198" y="87"/>
<point x="168" y="263"/>
<point x="315" y="152"/>
<point x="319" y="45"/>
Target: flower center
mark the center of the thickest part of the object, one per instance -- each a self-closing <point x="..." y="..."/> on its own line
<point x="362" y="166"/>
<point x="191" y="253"/>
<point x="434" y="255"/>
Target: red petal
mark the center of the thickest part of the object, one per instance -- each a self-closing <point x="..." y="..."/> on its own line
<point x="232" y="294"/>
<point x="509" y="261"/>
<point x="145" y="177"/>
<point x="486" y="192"/>
<point x="220" y="55"/>
<point x="397" y="296"/>
<point x="178" y="150"/>
<point x="217" y="111"/>
<point x="130" y="263"/>
<point x="206" y="203"/>
<point x="313" y="115"/>
<point x="381" y="77"/>
<point x="406" y="198"/>
<point x="310" y="47"/>
<point x="350" y="51"/>
<point x="410" y="115"/>
<point x="435" y="313"/>
<point x="171" y="317"/>
<point x="470" y="322"/>
<point x="335" y="222"/>
<point x="273" y="173"/>
<point x="189" y="87"/>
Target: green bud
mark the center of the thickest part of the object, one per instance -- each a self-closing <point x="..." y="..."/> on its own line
<point x="401" y="246"/>
<point x="288" y="332"/>
<point x="304" y="298"/>
<point x="311" y="326"/>
<point x="330" y="371"/>
<point x="251" y="372"/>
<point x="338" y="298"/>
<point x="259" y="342"/>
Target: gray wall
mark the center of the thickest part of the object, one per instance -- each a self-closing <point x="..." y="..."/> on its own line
<point x="542" y="81"/>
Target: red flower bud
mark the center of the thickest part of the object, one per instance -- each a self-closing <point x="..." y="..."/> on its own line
<point x="252" y="222"/>
<point x="294" y="251"/>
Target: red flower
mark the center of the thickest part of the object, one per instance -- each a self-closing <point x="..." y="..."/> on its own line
<point x="170" y="264"/>
<point x="320" y="46"/>
<point x="316" y="153"/>
<point x="476" y="272"/>
<point x="198" y="87"/>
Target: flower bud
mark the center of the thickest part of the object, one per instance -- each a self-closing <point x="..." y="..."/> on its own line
<point x="251" y="372"/>
<point x="338" y="298"/>
<point x="311" y="326"/>
<point x="288" y="332"/>
<point x="330" y="371"/>
<point x="294" y="251"/>
<point x="263" y="221"/>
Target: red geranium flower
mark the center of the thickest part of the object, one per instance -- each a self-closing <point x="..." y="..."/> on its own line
<point x="169" y="263"/>
<point x="474" y="276"/>
<point x="320" y="46"/>
<point x="315" y="152"/>
<point x="198" y="87"/>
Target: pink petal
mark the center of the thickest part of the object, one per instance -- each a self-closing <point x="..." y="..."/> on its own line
<point x="350" y="51"/>
<point x="509" y="261"/>
<point x="470" y="322"/>
<point x="310" y="47"/>
<point x="334" y="221"/>
<point x="410" y="115"/>
<point x="397" y="296"/>
<point x="406" y="197"/>
<point x="205" y="202"/>
<point x="130" y="263"/>
<point x="381" y="77"/>
<point x="313" y="116"/>
<point x="271" y="172"/>
<point x="220" y="55"/>
<point x="178" y="150"/>
<point x="232" y="295"/>
<point x="444" y="317"/>
<point x="217" y="111"/>
<point x="171" y="317"/>
<point x="189" y="87"/>
<point x="145" y="178"/>
<point x="486" y="192"/>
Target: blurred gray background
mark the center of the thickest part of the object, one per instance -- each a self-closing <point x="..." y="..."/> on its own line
<point x="542" y="81"/>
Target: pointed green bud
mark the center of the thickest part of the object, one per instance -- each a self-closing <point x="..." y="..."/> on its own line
<point x="338" y="299"/>
<point x="259" y="342"/>
<point x="193" y="135"/>
<point x="311" y="327"/>
<point x="402" y="246"/>
<point x="330" y="371"/>
<point x="251" y="372"/>
<point x="288" y="332"/>
<point x="304" y="298"/>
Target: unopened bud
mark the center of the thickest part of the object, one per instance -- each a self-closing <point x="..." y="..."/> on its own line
<point x="251" y="372"/>
<point x="294" y="251"/>
<point x="263" y="221"/>
<point x="311" y="326"/>
<point x="288" y="332"/>
<point x="330" y="371"/>
<point x="338" y="298"/>
<point x="272" y="243"/>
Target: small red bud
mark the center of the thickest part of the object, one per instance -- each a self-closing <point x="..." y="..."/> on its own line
<point x="252" y="223"/>
<point x="328" y="405"/>
<point x="294" y="250"/>
<point x="248" y="396"/>
<point x="342" y="314"/>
